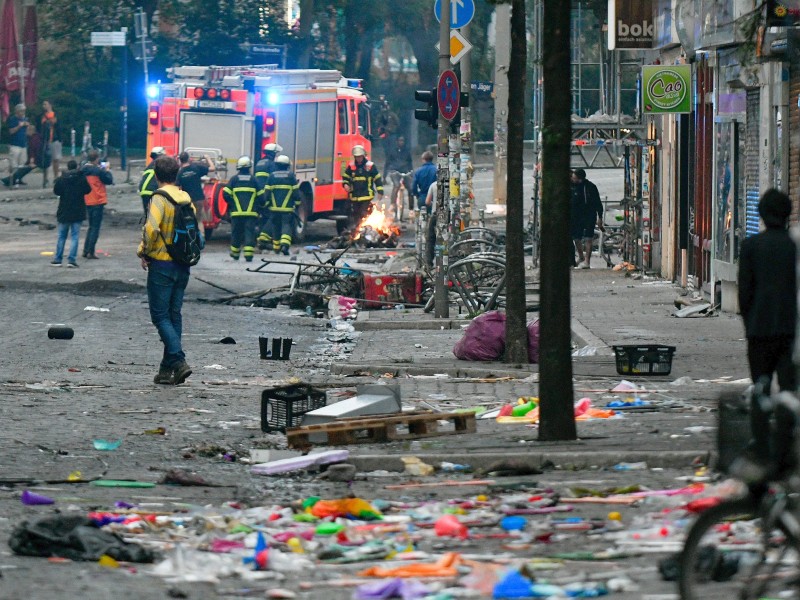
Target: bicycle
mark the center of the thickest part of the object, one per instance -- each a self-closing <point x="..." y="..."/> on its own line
<point x="748" y="548"/>
<point x="400" y="194"/>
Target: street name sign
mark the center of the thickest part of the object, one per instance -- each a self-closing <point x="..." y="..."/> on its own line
<point x="108" y="38"/>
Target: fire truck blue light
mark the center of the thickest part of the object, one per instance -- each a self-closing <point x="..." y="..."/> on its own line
<point x="152" y="91"/>
<point x="273" y="98"/>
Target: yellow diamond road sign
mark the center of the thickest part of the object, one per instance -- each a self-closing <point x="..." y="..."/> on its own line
<point x="459" y="46"/>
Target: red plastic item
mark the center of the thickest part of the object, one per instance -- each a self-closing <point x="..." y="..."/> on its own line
<point x="702" y="504"/>
<point x="400" y="288"/>
<point x="450" y="526"/>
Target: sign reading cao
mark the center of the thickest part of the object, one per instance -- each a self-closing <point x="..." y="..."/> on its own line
<point x="667" y="89"/>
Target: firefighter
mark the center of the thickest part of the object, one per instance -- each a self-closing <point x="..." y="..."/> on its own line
<point x="281" y="196"/>
<point x="243" y="198"/>
<point x="263" y="170"/>
<point x="147" y="184"/>
<point x="360" y="176"/>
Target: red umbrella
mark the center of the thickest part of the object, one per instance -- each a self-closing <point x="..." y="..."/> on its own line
<point x="30" y="51"/>
<point x="9" y="56"/>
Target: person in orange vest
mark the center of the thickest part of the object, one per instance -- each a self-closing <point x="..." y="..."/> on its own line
<point x="99" y="177"/>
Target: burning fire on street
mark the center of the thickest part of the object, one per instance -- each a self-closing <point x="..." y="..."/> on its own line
<point x="376" y="230"/>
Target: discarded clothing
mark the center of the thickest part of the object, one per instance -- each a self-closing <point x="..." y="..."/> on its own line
<point x="74" y="537"/>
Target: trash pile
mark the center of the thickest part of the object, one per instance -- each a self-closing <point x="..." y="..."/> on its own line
<point x="514" y="540"/>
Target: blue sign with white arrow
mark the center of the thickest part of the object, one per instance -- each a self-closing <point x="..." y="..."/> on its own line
<point x="461" y="12"/>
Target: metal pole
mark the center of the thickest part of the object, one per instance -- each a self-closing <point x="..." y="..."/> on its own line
<point x="441" y="302"/>
<point x="123" y="150"/>
<point x="466" y="138"/>
<point x="502" y="56"/>
<point x="142" y="17"/>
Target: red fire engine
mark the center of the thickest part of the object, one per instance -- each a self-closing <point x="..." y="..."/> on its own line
<point x="317" y="116"/>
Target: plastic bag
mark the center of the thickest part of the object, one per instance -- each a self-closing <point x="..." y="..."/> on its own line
<point x="533" y="342"/>
<point x="484" y="339"/>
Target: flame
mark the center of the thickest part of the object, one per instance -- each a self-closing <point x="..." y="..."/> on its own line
<point x="379" y="222"/>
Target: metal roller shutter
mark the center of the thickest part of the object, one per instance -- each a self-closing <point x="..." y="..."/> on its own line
<point x="751" y="173"/>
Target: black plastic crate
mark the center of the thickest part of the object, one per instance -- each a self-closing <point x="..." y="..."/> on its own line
<point x="284" y="407"/>
<point x="644" y="359"/>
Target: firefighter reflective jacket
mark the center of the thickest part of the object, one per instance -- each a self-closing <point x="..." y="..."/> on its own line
<point x="242" y="195"/>
<point x="282" y="191"/>
<point x="361" y="179"/>
<point x="263" y="170"/>
<point x="148" y="183"/>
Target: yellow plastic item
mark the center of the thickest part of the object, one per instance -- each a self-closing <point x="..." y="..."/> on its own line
<point x="414" y="466"/>
<point x="74" y="476"/>
<point x="107" y="561"/>
<point x="614" y="516"/>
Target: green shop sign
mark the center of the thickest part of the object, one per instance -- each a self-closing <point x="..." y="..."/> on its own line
<point x="667" y="89"/>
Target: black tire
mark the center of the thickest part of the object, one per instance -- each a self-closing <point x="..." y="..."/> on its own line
<point x="708" y="570"/>
<point x="301" y="218"/>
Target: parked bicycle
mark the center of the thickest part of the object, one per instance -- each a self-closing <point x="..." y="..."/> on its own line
<point x="748" y="548"/>
<point x="401" y="194"/>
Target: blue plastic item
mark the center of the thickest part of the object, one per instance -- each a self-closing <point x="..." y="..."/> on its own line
<point x="513" y="585"/>
<point x="513" y="523"/>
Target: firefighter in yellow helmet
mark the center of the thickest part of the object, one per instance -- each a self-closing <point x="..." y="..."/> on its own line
<point x="244" y="198"/>
<point x="360" y="177"/>
<point x="281" y="196"/>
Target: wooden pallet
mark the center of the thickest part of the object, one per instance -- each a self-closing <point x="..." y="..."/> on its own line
<point x="371" y="430"/>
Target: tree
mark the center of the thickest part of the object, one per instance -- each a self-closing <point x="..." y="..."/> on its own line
<point x="556" y="416"/>
<point x="516" y="326"/>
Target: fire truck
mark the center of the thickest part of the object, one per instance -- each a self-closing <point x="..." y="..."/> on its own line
<point x="317" y="116"/>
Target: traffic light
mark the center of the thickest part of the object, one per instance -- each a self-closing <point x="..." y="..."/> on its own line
<point x="455" y="124"/>
<point x="429" y="114"/>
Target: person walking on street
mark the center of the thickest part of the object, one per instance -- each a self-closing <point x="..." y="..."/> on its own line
<point x="147" y="183"/>
<point x="98" y="177"/>
<point x="399" y="166"/>
<point x="166" y="278"/>
<point x="768" y="303"/>
<point x="51" y="139"/>
<point x="423" y="178"/>
<point x="280" y="195"/>
<point x="586" y="208"/>
<point x="70" y="187"/>
<point x="243" y="197"/>
<point x="359" y="179"/>
<point x="190" y="178"/>
<point x="263" y="170"/>
<point x="18" y="147"/>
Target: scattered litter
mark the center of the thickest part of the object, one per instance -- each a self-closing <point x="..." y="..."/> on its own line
<point x="415" y="466"/>
<point x="705" y="309"/>
<point x="227" y="340"/>
<point x="685" y="380"/>
<point x="73" y="537"/>
<point x="97" y="309"/>
<point x="60" y="333"/>
<point x="106" y="445"/>
<point x="181" y="477"/>
<point x="122" y="483"/>
<point x="625" y="386"/>
<point x="298" y="463"/>
<point x="216" y="367"/>
<point x="28" y="498"/>
<point x="585" y="351"/>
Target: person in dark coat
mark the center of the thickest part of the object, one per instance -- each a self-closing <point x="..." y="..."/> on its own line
<point x="71" y="187"/>
<point x="585" y="208"/>
<point x="768" y="303"/>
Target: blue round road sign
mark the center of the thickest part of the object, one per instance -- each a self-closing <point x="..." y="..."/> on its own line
<point x="448" y="93"/>
<point x="461" y="12"/>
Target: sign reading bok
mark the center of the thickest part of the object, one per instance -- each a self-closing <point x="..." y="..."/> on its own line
<point x="630" y="24"/>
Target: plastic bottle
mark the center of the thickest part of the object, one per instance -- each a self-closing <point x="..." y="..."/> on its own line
<point x="520" y="410"/>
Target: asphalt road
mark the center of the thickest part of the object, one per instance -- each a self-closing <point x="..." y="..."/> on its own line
<point x="59" y="396"/>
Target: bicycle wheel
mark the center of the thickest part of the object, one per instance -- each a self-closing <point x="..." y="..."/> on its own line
<point x="728" y="556"/>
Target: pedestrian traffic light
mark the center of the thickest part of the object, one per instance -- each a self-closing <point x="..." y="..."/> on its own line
<point x="429" y="114"/>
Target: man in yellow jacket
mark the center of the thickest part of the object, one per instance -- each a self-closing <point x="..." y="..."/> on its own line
<point x="166" y="279"/>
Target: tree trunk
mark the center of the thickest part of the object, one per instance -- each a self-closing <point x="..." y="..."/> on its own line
<point x="556" y="416"/>
<point x="516" y="326"/>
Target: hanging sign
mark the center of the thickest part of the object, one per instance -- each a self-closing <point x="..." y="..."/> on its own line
<point x="667" y="89"/>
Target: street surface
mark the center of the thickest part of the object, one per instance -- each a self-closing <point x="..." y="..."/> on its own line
<point x="59" y="396"/>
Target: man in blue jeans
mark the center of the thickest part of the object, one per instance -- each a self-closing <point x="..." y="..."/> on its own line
<point x="70" y="187"/>
<point x="166" y="279"/>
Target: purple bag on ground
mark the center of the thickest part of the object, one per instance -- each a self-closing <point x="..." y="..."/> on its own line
<point x="533" y="342"/>
<point x="484" y="338"/>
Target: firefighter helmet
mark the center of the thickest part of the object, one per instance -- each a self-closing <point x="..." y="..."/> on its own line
<point x="157" y="151"/>
<point x="274" y="148"/>
<point x="244" y="162"/>
<point x="283" y="160"/>
<point x="358" y="150"/>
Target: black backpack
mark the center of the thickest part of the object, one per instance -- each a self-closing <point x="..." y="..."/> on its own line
<point x="187" y="242"/>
